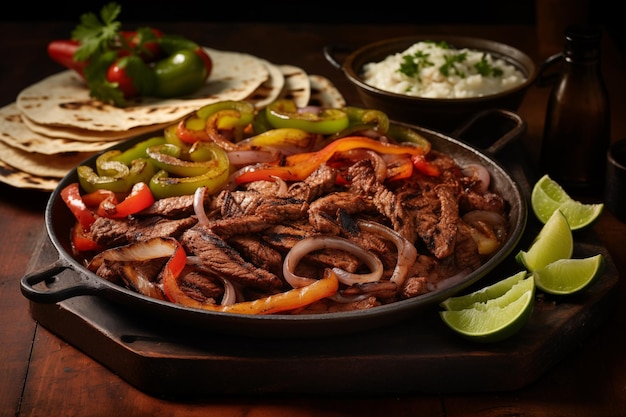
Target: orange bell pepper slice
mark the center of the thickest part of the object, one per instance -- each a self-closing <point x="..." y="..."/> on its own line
<point x="288" y="300"/>
<point x="297" y="167"/>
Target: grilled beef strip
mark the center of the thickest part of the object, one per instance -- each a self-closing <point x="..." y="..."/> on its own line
<point x="222" y="259"/>
<point x="171" y="207"/>
<point x="116" y="232"/>
<point x="255" y="250"/>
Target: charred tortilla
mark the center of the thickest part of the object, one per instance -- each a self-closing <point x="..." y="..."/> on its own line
<point x="269" y="90"/>
<point x="55" y="166"/>
<point x="63" y="99"/>
<point x="20" y="179"/>
<point x="324" y="93"/>
<point x="297" y="85"/>
<point x="17" y="133"/>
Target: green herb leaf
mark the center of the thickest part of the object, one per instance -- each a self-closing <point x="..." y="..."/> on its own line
<point x="449" y="67"/>
<point x="412" y="64"/>
<point x="96" y="33"/>
<point x="485" y="69"/>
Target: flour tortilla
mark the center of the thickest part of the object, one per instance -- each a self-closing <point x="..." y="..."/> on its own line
<point x="15" y="132"/>
<point x="324" y="93"/>
<point x="297" y="85"/>
<point x="20" y="179"/>
<point x="55" y="166"/>
<point x="269" y="90"/>
<point x="63" y="99"/>
<point x="89" y="137"/>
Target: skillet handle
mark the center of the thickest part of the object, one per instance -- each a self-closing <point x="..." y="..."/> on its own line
<point x="332" y="51"/>
<point x="508" y="125"/>
<point x="44" y="285"/>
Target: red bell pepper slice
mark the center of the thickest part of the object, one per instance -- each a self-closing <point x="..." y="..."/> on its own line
<point x="82" y="242"/>
<point x="140" y="198"/>
<point x="420" y="162"/>
<point x="74" y="201"/>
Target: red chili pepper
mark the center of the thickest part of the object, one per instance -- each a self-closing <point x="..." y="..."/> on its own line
<point x="72" y="198"/>
<point x="62" y="51"/>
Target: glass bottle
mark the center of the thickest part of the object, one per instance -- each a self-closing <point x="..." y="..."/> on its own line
<point x="577" y="125"/>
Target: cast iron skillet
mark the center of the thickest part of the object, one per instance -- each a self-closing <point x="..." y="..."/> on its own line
<point x="52" y="285"/>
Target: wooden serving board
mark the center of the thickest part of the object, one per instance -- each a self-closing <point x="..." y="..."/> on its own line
<point x="417" y="355"/>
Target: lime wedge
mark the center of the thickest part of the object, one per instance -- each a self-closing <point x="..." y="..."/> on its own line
<point x="554" y="242"/>
<point x="548" y="196"/>
<point x="568" y="276"/>
<point x="495" y="319"/>
<point x="484" y="294"/>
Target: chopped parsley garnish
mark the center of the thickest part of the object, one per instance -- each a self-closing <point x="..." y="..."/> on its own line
<point x="412" y="65"/>
<point x="449" y="66"/>
<point x="485" y="69"/>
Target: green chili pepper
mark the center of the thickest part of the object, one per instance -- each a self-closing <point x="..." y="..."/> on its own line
<point x="214" y="158"/>
<point x="285" y="113"/>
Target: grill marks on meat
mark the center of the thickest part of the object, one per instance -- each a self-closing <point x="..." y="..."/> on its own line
<point x="325" y="212"/>
<point x="258" y="252"/>
<point x="116" y="232"/>
<point x="221" y="258"/>
<point x="171" y="207"/>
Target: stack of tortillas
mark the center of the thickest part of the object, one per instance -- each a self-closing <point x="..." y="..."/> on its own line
<point x="54" y="124"/>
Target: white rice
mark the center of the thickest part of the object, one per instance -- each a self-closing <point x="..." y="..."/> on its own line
<point x="463" y="81"/>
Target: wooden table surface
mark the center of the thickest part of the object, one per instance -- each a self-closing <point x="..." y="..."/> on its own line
<point x="43" y="375"/>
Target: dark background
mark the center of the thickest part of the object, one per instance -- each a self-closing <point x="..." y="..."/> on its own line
<point x="420" y="12"/>
<point x="417" y="11"/>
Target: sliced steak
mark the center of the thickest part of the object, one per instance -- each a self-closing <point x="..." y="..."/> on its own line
<point x="115" y="232"/>
<point x="172" y="207"/>
<point x="221" y="258"/>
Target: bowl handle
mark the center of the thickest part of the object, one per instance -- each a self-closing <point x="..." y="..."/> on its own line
<point x="511" y="125"/>
<point x="331" y="52"/>
<point x="50" y="285"/>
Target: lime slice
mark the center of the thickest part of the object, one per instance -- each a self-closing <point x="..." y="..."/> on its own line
<point x="548" y="196"/>
<point x="568" y="276"/>
<point x="495" y="319"/>
<point x="554" y="242"/>
<point x="484" y="294"/>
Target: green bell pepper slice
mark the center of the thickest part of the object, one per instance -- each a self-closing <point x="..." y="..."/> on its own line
<point x="284" y="113"/>
<point x="114" y="175"/>
<point x="214" y="159"/>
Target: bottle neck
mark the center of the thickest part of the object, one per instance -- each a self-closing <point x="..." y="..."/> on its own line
<point x="582" y="43"/>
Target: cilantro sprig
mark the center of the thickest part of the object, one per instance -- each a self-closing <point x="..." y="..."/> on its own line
<point x="97" y="34"/>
